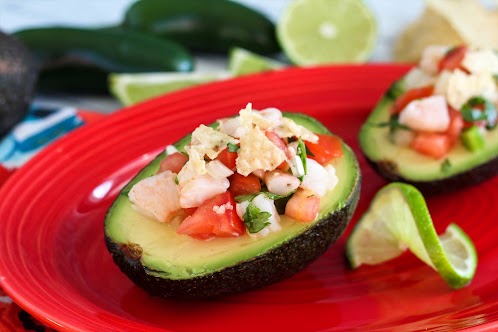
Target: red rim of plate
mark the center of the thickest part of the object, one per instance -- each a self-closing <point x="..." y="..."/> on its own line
<point x="94" y="155"/>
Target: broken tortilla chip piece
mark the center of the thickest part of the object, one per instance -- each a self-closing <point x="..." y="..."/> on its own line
<point x="448" y="22"/>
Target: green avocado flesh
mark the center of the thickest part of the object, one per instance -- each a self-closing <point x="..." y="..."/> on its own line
<point x="459" y="168"/>
<point x="171" y="265"/>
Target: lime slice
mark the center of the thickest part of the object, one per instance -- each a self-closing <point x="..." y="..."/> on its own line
<point x="243" y="62"/>
<point x="132" y="88"/>
<point x="313" y="32"/>
<point x="398" y="219"/>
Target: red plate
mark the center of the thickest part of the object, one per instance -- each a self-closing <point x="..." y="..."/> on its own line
<point x="54" y="262"/>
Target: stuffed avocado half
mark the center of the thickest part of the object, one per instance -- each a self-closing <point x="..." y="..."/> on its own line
<point x="256" y="228"/>
<point x="436" y="127"/>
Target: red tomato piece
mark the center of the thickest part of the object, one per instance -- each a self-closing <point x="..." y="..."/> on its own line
<point x="303" y="205"/>
<point x="327" y="148"/>
<point x="284" y="166"/>
<point x="244" y="185"/>
<point x="216" y="217"/>
<point x="436" y="145"/>
<point x="173" y="162"/>
<point x="190" y="211"/>
<point x="457" y="123"/>
<point x="410" y="96"/>
<point x="275" y="139"/>
<point x="228" y="158"/>
<point x="453" y="59"/>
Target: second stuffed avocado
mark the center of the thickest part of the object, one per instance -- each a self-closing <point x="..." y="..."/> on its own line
<point x="254" y="237"/>
<point x="436" y="127"/>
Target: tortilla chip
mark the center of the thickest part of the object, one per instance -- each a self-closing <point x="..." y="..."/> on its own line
<point x="430" y="29"/>
<point x="448" y="22"/>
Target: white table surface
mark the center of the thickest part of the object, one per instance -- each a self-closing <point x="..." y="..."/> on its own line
<point x="392" y="16"/>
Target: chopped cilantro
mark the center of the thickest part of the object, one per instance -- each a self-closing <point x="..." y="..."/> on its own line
<point x="446" y="166"/>
<point x="479" y="109"/>
<point x="392" y="123"/>
<point x="275" y="196"/>
<point x="176" y="180"/>
<point x="301" y="152"/>
<point x="232" y="147"/>
<point x="250" y="197"/>
<point x="254" y="219"/>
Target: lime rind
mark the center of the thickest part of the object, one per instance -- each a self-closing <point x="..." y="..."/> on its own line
<point x="460" y="274"/>
<point x="243" y="62"/>
<point x="398" y="219"/>
<point x="130" y="88"/>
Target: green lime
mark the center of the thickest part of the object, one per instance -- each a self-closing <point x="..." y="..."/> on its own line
<point x="132" y="88"/>
<point x="243" y="62"/>
<point x="398" y="219"/>
<point x="313" y="32"/>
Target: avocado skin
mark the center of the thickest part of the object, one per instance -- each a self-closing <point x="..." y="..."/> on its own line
<point x="472" y="177"/>
<point x="263" y="270"/>
<point x="18" y="74"/>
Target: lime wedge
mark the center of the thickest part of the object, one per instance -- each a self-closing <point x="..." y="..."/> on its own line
<point x="132" y="88"/>
<point x="243" y="62"/>
<point x="313" y="32"/>
<point x="398" y="219"/>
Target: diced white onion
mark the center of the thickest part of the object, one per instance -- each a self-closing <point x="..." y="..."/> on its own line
<point x="281" y="183"/>
<point x="218" y="170"/>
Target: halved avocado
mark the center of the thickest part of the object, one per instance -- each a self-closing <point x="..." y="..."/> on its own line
<point x="460" y="168"/>
<point x="169" y="265"/>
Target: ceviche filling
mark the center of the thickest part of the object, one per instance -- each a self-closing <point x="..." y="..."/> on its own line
<point x="450" y="96"/>
<point x="241" y="176"/>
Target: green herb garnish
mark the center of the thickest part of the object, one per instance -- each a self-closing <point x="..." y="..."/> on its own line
<point x="250" y="197"/>
<point x="392" y="123"/>
<point x="275" y="196"/>
<point x="254" y="219"/>
<point x="479" y="109"/>
<point x="446" y="166"/>
<point x="233" y="147"/>
<point x="301" y="152"/>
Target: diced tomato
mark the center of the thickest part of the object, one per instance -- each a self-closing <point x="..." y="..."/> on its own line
<point x="410" y="96"/>
<point x="216" y="217"/>
<point x="453" y="59"/>
<point x="272" y="136"/>
<point x="190" y="211"/>
<point x="284" y="166"/>
<point x="436" y="145"/>
<point x="457" y="123"/>
<point x="303" y="205"/>
<point x="244" y="185"/>
<point x="173" y="162"/>
<point x="327" y="148"/>
<point x="228" y="158"/>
